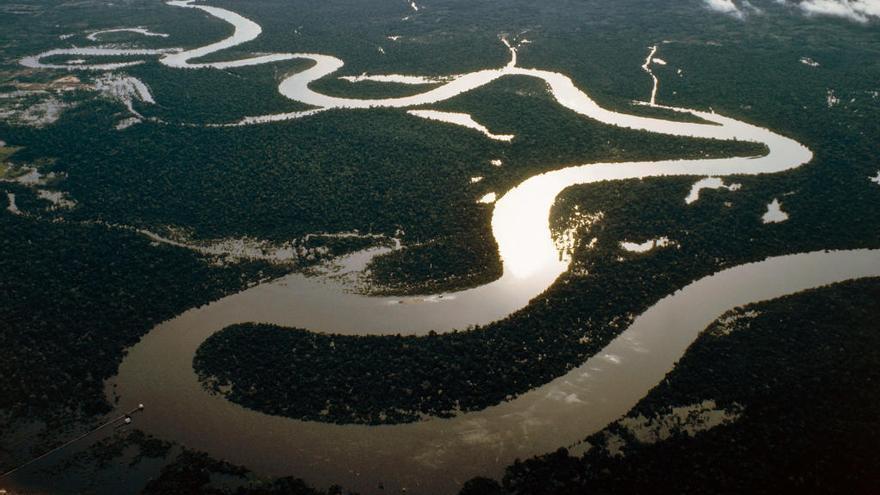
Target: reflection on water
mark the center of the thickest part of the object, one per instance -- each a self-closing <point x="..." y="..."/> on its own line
<point x="435" y="456"/>
<point x="644" y="247"/>
<point x="774" y="213"/>
<point x="708" y="183"/>
<point x="461" y="119"/>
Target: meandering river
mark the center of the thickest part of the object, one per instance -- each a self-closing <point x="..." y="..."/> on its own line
<point x="436" y="455"/>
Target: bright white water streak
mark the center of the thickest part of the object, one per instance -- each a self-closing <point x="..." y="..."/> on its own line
<point x="708" y="183"/>
<point x="138" y="30"/>
<point x="647" y="68"/>
<point x="437" y="455"/>
<point x="520" y="220"/>
<point x="395" y="78"/>
<point x="35" y="62"/>
<point x="461" y="119"/>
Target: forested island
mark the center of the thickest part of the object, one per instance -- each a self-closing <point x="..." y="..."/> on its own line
<point x="391" y="379"/>
<point x="815" y="349"/>
<point x="87" y="177"/>
<point x="722" y="421"/>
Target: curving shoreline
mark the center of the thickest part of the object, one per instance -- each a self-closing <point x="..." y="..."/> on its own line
<point x="436" y="455"/>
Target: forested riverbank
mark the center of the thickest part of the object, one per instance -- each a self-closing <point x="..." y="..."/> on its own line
<point x="725" y="420"/>
<point x="75" y="294"/>
<point x="786" y="367"/>
<point x="394" y="379"/>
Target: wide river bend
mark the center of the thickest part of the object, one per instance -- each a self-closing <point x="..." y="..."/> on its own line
<point x="437" y="455"/>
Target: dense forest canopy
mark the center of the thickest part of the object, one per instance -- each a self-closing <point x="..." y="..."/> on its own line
<point x="80" y="183"/>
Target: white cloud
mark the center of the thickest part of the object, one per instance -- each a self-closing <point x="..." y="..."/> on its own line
<point x="725" y="7"/>
<point x="856" y="10"/>
<point x="748" y="5"/>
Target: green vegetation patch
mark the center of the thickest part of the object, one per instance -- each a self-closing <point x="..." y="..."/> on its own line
<point x="803" y="371"/>
<point x="439" y="265"/>
<point x="5" y="153"/>
<point x="389" y="379"/>
<point x="332" y="85"/>
<point x="73" y="297"/>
